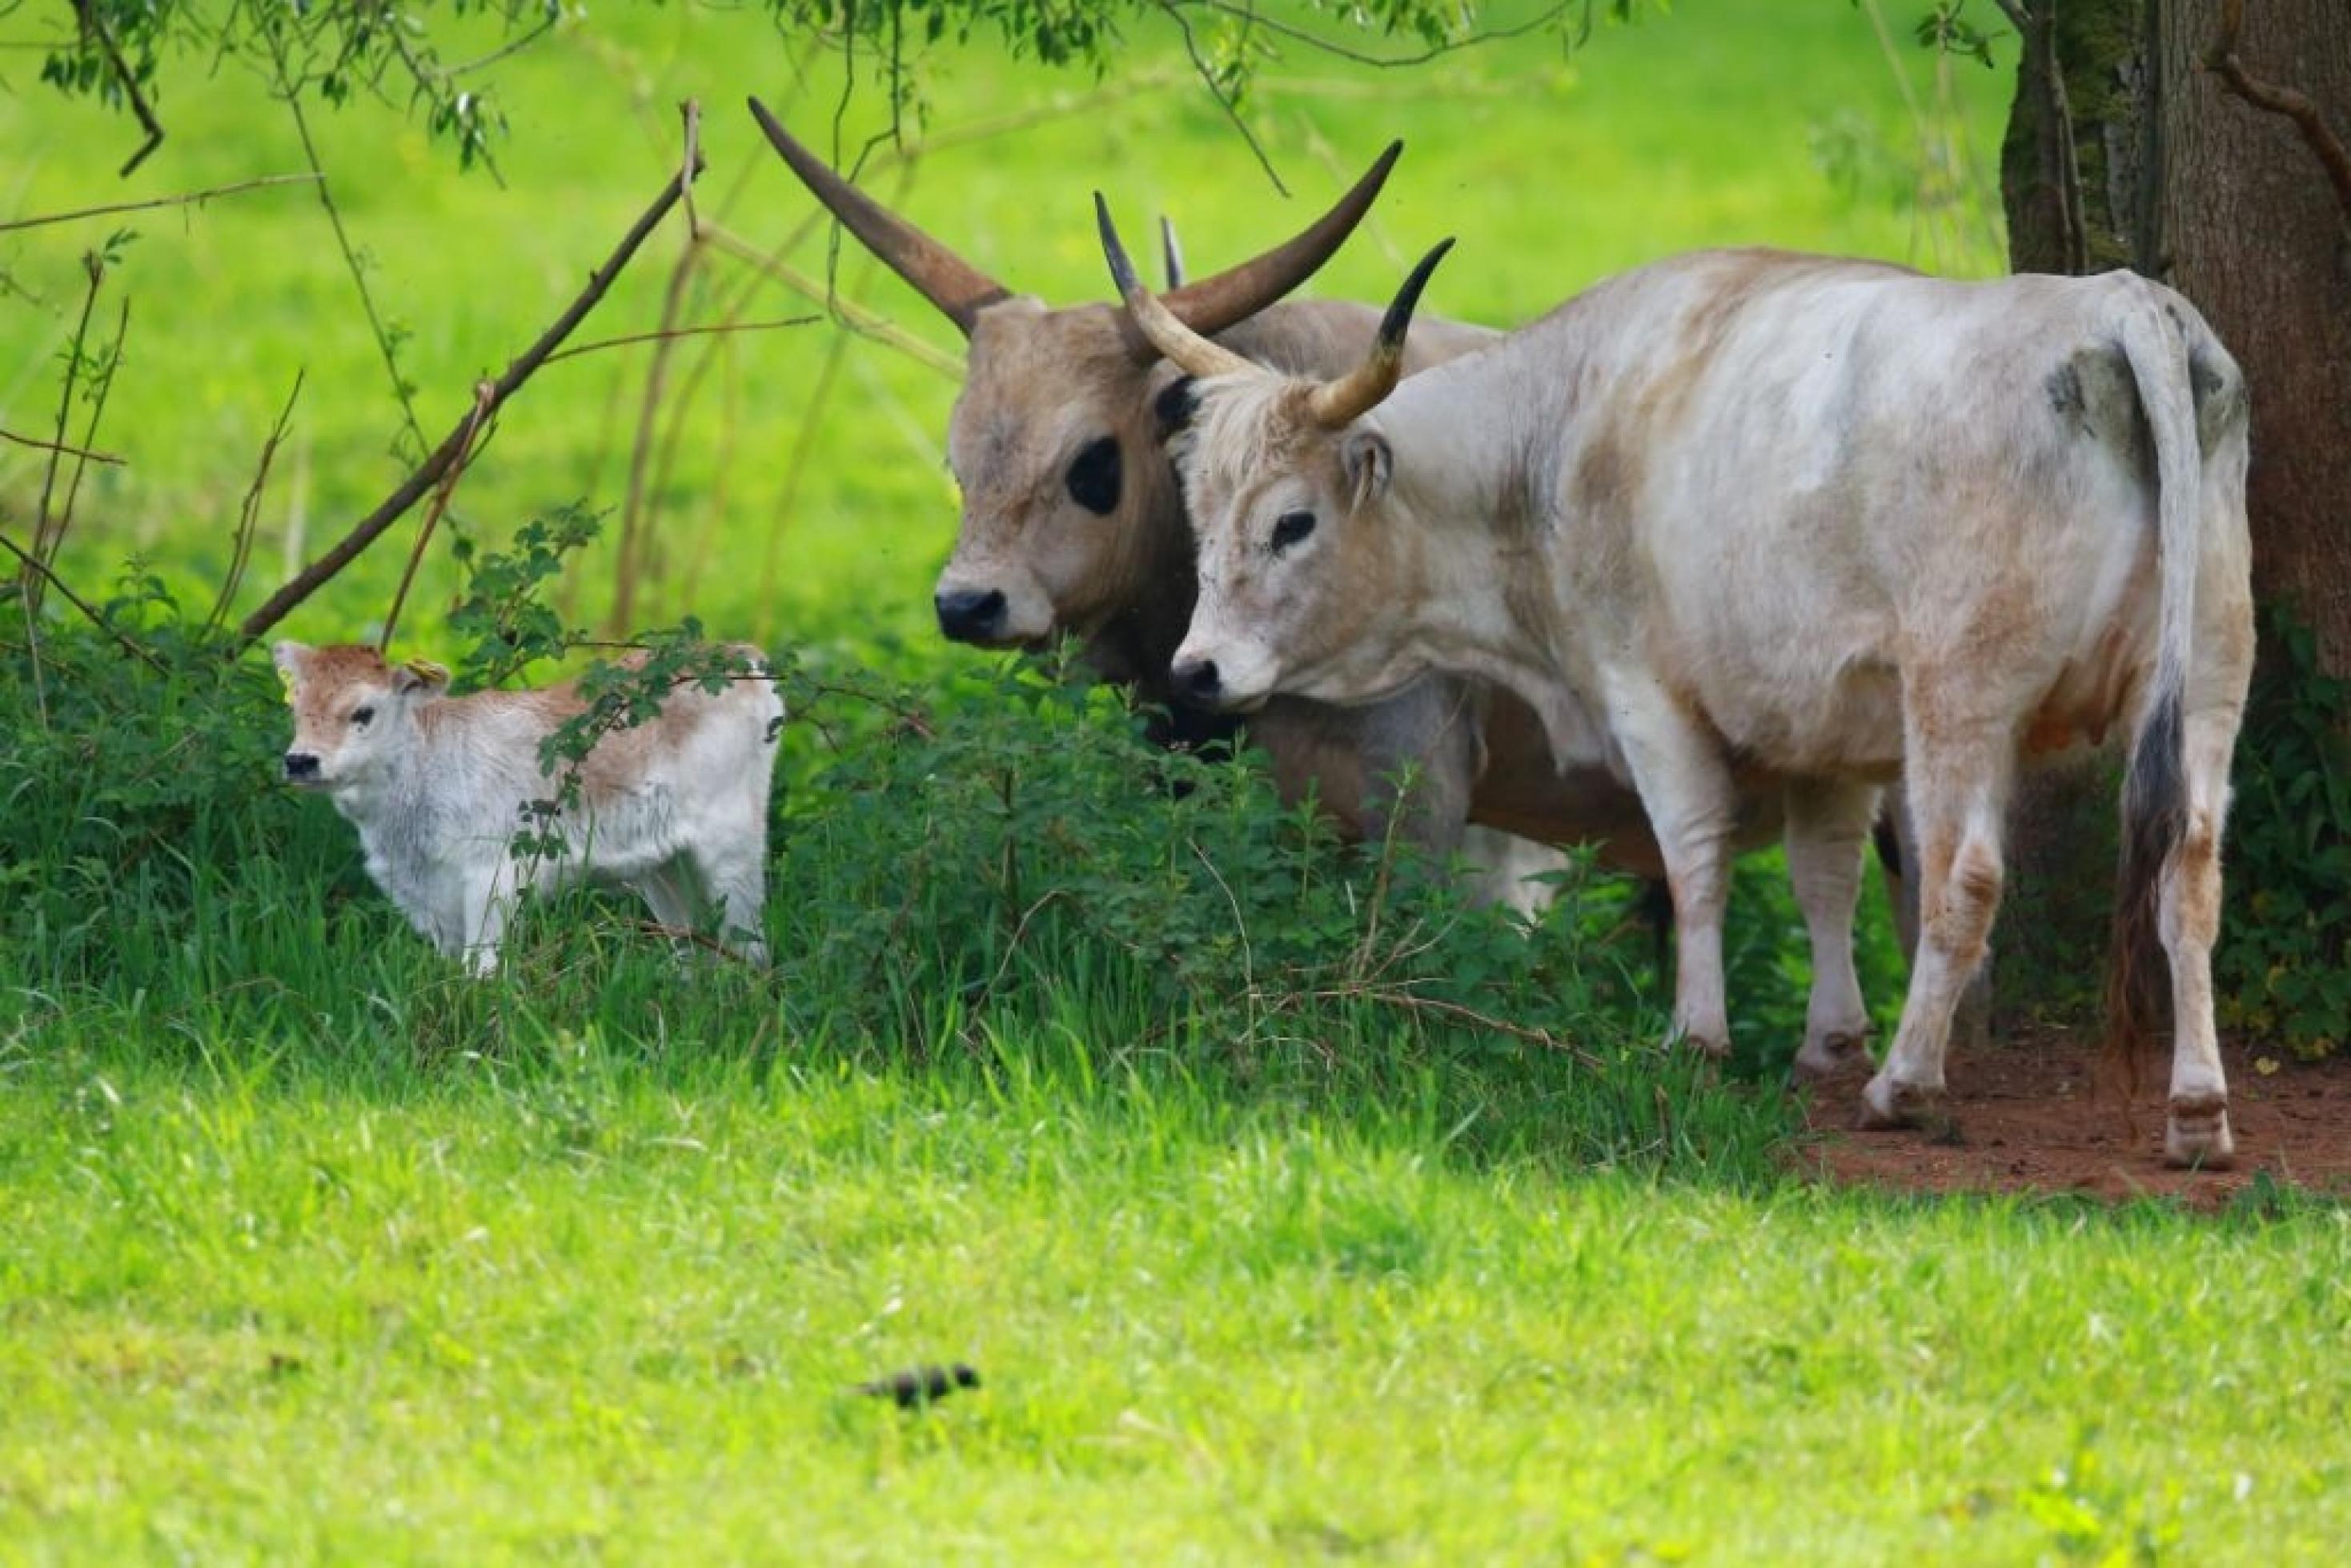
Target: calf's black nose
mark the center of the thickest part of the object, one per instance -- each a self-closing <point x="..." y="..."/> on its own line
<point x="970" y="614"/>
<point x="1198" y="681"/>
<point x="302" y="764"/>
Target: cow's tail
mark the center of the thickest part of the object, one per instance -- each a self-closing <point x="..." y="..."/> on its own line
<point x="2155" y="792"/>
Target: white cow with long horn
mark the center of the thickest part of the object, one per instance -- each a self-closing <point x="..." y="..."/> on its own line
<point x="1072" y="523"/>
<point x="1826" y="517"/>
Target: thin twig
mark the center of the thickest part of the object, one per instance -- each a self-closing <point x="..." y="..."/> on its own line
<point x="1397" y="997"/>
<point x="855" y="317"/>
<point x="87" y="16"/>
<point x="368" y="528"/>
<point x="97" y="394"/>
<point x="2222" y="61"/>
<point x="79" y="602"/>
<point x="95" y="270"/>
<point x="39" y="445"/>
<point x="1225" y="100"/>
<point x="1250" y="14"/>
<point x="629" y="562"/>
<point x="715" y="330"/>
<point x="467" y="445"/>
<point x="248" y="515"/>
<point x="291" y="90"/>
<point x="185" y="198"/>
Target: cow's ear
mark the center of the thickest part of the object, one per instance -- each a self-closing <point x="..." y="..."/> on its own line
<point x="1365" y="457"/>
<point x="1174" y="406"/>
<point x="420" y="678"/>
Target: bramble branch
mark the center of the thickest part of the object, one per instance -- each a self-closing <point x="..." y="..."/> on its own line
<point x="368" y="528"/>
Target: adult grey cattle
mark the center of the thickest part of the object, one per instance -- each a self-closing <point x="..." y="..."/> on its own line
<point x="1072" y="522"/>
<point x="1830" y="517"/>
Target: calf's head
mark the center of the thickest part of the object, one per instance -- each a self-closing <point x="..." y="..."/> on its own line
<point x="1070" y="516"/>
<point x="353" y="712"/>
<point x="1284" y="479"/>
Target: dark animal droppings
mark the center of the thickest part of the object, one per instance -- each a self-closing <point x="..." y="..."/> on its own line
<point x="920" y="1385"/>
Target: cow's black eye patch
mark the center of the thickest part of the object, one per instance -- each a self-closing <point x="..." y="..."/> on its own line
<point x="1292" y="526"/>
<point x="1093" y="477"/>
<point x="362" y="714"/>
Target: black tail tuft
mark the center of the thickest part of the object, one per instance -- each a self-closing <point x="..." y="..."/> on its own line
<point x="2155" y="819"/>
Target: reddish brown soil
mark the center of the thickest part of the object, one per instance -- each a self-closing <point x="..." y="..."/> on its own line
<point x="2043" y="1115"/>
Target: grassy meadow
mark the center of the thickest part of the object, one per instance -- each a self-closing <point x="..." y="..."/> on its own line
<point x="1290" y="1209"/>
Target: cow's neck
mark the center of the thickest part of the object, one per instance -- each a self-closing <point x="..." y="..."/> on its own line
<point x="1471" y="504"/>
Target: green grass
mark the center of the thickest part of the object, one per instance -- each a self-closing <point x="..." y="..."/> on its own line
<point x="310" y="1248"/>
<point x="596" y="1306"/>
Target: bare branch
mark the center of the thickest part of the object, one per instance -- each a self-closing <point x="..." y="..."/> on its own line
<point x="715" y="330"/>
<point x="95" y="270"/>
<point x="87" y="16"/>
<point x="248" y="515"/>
<point x="1245" y="10"/>
<point x="79" y="602"/>
<point x="469" y="442"/>
<point x="99" y="393"/>
<point x="855" y="317"/>
<point x="629" y="562"/>
<point x="185" y="199"/>
<point x="368" y="528"/>
<point x="291" y="89"/>
<point x="1225" y="100"/>
<point x="39" y="445"/>
<point x="2222" y="61"/>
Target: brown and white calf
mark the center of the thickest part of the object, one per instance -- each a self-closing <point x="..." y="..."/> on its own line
<point x="1828" y="518"/>
<point x="440" y="786"/>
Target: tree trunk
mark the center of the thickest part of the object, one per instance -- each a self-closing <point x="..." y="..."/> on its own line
<point x="2254" y="234"/>
<point x="2184" y="181"/>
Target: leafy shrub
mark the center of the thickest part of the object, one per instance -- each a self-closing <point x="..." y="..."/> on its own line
<point x="2283" y="964"/>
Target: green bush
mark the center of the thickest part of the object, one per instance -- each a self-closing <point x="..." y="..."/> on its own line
<point x="2283" y="965"/>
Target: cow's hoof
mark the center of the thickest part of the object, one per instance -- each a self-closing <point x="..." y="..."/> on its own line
<point x="1886" y="1104"/>
<point x="2196" y="1134"/>
<point x="1825" y="1056"/>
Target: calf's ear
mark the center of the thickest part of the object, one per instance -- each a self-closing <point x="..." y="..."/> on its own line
<point x="1365" y="457"/>
<point x="419" y="676"/>
<point x="288" y="657"/>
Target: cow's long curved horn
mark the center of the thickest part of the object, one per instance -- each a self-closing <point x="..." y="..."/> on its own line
<point x="1336" y="404"/>
<point x="960" y="290"/>
<point x="1171" y="252"/>
<point x="1162" y="332"/>
<point x="1237" y="293"/>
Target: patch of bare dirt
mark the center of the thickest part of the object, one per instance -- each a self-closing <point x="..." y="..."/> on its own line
<point x="2046" y="1115"/>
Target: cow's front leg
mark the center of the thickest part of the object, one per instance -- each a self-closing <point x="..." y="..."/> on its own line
<point x="1827" y="821"/>
<point x="1693" y="804"/>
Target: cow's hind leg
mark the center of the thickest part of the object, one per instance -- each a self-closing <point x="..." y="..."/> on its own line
<point x="1957" y="776"/>
<point x="1827" y="823"/>
<point x="2196" y="1132"/>
<point x="1693" y="804"/>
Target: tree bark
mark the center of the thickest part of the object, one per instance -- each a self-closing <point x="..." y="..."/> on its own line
<point x="2181" y="180"/>
<point x="2254" y="234"/>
